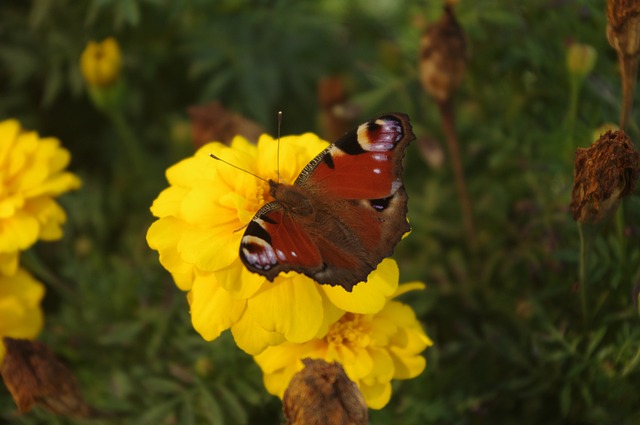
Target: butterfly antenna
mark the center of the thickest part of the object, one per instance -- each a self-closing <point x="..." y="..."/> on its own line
<point x="235" y="166"/>
<point x="279" y="126"/>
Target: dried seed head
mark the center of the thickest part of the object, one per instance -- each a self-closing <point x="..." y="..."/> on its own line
<point x="623" y="26"/>
<point x="336" y="112"/>
<point x="623" y="33"/>
<point x="604" y="173"/>
<point x="212" y="122"/>
<point x="34" y="376"/>
<point x="321" y="394"/>
<point x="443" y="58"/>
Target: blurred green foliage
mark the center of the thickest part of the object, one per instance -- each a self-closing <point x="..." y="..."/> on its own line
<point x="512" y="345"/>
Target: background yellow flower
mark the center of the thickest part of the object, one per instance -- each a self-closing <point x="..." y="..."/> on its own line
<point x="100" y="62"/>
<point x="201" y="219"/>
<point x="20" y="312"/>
<point x="31" y="175"/>
<point x="372" y="348"/>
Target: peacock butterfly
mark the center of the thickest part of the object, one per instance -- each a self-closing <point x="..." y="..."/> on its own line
<point x="344" y="214"/>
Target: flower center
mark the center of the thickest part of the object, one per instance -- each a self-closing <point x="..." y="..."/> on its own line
<point x="351" y="330"/>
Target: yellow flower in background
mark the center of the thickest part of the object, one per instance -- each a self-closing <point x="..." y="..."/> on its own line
<point x="100" y="63"/>
<point x="372" y="348"/>
<point x="31" y="175"/>
<point x="201" y="219"/>
<point x="581" y="58"/>
<point x="20" y="312"/>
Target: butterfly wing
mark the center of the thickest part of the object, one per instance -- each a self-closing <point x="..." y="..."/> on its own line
<point x="274" y="242"/>
<point x="359" y="209"/>
<point x="365" y="163"/>
<point x="361" y="175"/>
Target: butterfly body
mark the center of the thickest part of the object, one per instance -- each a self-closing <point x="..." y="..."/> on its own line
<point x="345" y="212"/>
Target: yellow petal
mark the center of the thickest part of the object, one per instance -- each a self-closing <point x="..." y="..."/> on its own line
<point x="377" y="395"/>
<point x="239" y="281"/>
<point x="277" y="383"/>
<point x="209" y="249"/>
<point x="407" y="367"/>
<point x="53" y="186"/>
<point x="200" y="207"/>
<point x="251" y="337"/>
<point x="8" y="263"/>
<point x="370" y="296"/>
<point x="330" y="316"/>
<point x="192" y="171"/>
<point x="290" y="306"/>
<point x="168" y="202"/>
<point x="9" y="130"/>
<point x="408" y="287"/>
<point x="213" y="310"/>
<point x="20" y="313"/>
<point x="356" y="364"/>
<point x="49" y="214"/>
<point x="384" y="364"/>
<point x="18" y="232"/>
<point x="163" y="235"/>
<point x="273" y="359"/>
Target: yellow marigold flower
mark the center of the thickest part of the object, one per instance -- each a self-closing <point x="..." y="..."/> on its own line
<point x="31" y="175"/>
<point x="201" y="220"/>
<point x="372" y="348"/>
<point x="100" y="63"/>
<point x="20" y="312"/>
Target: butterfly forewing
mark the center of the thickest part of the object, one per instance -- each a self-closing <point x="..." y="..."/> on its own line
<point x="366" y="163"/>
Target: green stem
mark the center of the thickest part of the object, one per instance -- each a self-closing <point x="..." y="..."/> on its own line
<point x="448" y="124"/>
<point x="33" y="263"/>
<point x="572" y="112"/>
<point x="582" y="276"/>
<point x="128" y="141"/>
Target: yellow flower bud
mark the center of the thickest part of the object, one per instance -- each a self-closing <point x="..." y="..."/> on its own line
<point x="581" y="59"/>
<point x="100" y="63"/>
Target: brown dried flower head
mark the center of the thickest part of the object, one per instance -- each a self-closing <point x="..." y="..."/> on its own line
<point x="321" y="394"/>
<point x="34" y="376"/>
<point x="443" y="57"/>
<point x="212" y="122"/>
<point x="623" y="26"/>
<point x="337" y="113"/>
<point x="604" y="173"/>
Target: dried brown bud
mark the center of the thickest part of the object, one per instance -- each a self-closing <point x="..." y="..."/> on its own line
<point x="623" y="26"/>
<point x="604" y="173"/>
<point x="213" y="123"/>
<point x="443" y="58"/>
<point x="321" y="394"/>
<point x="34" y="376"/>
<point x="623" y="33"/>
<point x="431" y="151"/>
<point x="336" y="112"/>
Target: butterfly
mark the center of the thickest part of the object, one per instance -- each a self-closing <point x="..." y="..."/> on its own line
<point x="343" y="215"/>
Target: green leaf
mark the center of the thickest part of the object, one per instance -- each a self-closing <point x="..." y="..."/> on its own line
<point x="162" y="385"/>
<point x="158" y="413"/>
<point x="233" y="406"/>
<point x="565" y="400"/>
<point x="210" y="407"/>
